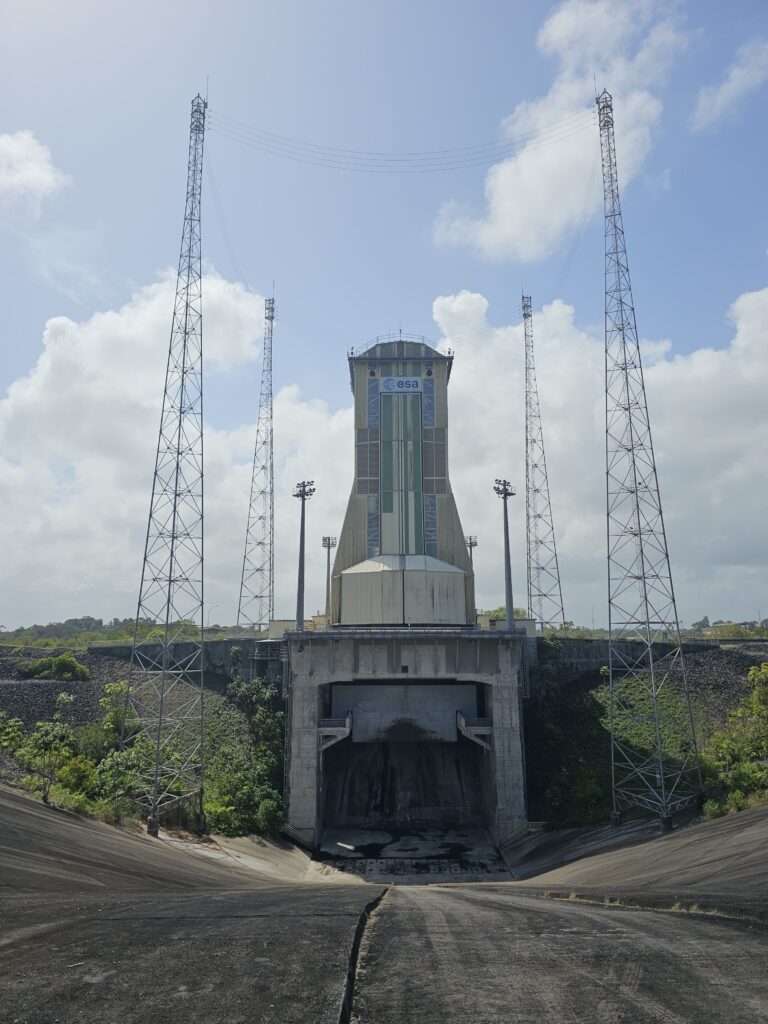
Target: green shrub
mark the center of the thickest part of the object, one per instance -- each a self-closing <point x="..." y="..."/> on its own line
<point x="713" y="809"/>
<point x="115" y="811"/>
<point x="49" y="746"/>
<point x="11" y="733"/>
<point x="120" y="773"/>
<point x="92" y="741"/>
<point x="64" y="666"/>
<point x="270" y="816"/>
<point x="78" y="775"/>
<point x="244" y="760"/>
<point x="70" y="800"/>
<point x="567" y="757"/>
<point x="735" y="757"/>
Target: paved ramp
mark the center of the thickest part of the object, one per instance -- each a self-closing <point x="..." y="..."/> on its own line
<point x="487" y="955"/>
<point x="104" y="927"/>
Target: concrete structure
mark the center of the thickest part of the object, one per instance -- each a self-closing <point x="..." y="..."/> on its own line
<point x="402" y="557"/>
<point x="402" y="711"/>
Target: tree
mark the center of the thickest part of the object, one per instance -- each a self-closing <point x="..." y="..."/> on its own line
<point x="703" y="623"/>
<point x="11" y="733"/>
<point x="501" y="613"/>
<point x="244" y="759"/>
<point x="736" y="757"/>
<point x="51" y="744"/>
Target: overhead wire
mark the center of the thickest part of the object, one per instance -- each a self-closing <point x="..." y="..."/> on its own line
<point x="408" y="155"/>
<point x="581" y="224"/>
<point x="405" y="163"/>
<point x="293" y="322"/>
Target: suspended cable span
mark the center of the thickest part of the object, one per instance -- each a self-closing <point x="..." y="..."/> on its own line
<point x="372" y="166"/>
<point x="409" y="156"/>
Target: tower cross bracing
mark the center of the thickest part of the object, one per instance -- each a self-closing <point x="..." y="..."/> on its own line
<point x="166" y="679"/>
<point x="654" y="757"/>
<point x="257" y="602"/>
<point x="545" y="596"/>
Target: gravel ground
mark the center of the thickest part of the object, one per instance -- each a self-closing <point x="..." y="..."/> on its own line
<point x="34" y="700"/>
<point x="717" y="678"/>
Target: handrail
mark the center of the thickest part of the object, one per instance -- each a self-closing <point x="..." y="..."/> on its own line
<point x="525" y="829"/>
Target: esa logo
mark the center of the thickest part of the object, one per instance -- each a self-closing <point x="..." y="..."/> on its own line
<point x="400" y="385"/>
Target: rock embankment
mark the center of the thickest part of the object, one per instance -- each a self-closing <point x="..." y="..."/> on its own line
<point x="34" y="700"/>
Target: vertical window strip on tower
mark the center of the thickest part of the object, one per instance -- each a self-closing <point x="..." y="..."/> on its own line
<point x="373" y="401"/>
<point x="430" y="525"/>
<point x="374" y="538"/>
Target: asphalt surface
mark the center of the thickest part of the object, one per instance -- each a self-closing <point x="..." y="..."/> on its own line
<point x="485" y="955"/>
<point x="98" y="925"/>
<point x="721" y="865"/>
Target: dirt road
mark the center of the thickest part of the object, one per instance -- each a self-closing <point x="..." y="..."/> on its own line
<point x="489" y="956"/>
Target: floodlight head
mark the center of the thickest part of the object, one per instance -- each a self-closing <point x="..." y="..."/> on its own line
<point x="471" y="541"/>
<point x="504" y="489"/>
<point x="304" y="489"/>
<point x="329" y="542"/>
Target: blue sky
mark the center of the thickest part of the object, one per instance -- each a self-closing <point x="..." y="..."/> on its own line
<point x="107" y="91"/>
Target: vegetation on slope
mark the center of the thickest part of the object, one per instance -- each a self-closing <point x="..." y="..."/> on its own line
<point x="82" y="768"/>
<point x="244" y="760"/>
<point x="568" y="748"/>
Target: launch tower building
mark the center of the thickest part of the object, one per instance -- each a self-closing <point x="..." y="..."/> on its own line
<point x="402" y="711"/>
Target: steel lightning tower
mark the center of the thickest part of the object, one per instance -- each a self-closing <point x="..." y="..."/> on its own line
<point x="257" y="596"/>
<point x="545" y="595"/>
<point x="166" y="678"/>
<point x="654" y="757"/>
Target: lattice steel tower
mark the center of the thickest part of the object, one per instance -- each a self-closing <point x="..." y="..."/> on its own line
<point x="166" y="678"/>
<point x="257" y="598"/>
<point x="654" y="758"/>
<point x="545" y="596"/>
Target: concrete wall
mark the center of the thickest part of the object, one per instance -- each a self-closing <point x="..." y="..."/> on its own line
<point x="378" y="710"/>
<point x="317" y="660"/>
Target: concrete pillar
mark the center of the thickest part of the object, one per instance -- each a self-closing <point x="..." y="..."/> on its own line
<point x="508" y="743"/>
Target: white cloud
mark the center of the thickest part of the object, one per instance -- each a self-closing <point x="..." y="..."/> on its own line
<point x="748" y="72"/>
<point x="534" y="198"/>
<point x="77" y="437"/>
<point x="710" y="429"/>
<point x="27" y="174"/>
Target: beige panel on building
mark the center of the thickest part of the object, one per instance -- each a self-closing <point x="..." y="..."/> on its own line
<point x="397" y="589"/>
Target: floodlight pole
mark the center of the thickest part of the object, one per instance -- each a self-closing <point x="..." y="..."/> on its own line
<point x="328" y="543"/>
<point x="471" y="545"/>
<point x="506" y="491"/>
<point x="303" y="491"/>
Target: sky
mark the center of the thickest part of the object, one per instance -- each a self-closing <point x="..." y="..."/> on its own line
<point x="94" y="117"/>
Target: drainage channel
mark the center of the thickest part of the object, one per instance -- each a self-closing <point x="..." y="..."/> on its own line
<point x="348" y="995"/>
